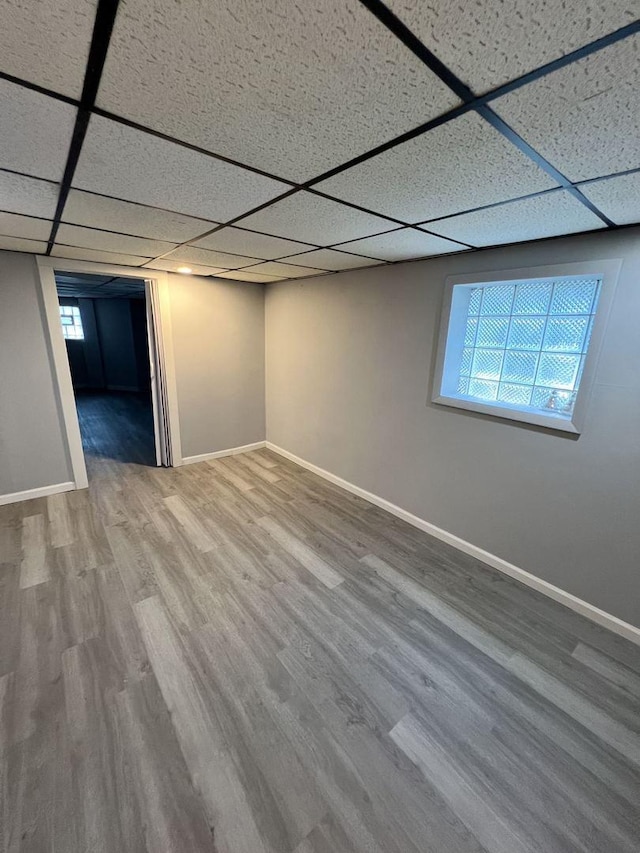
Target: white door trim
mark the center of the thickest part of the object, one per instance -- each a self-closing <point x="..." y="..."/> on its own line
<point x="47" y="267"/>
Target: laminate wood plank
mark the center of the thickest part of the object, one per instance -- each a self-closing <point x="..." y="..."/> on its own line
<point x="282" y="793"/>
<point x="305" y="555"/>
<point x="130" y="559"/>
<point x="614" y="672"/>
<point x="189" y="521"/>
<point x="618" y="736"/>
<point x="231" y="474"/>
<point x="268" y="475"/>
<point x="9" y="615"/>
<point x="172" y="811"/>
<point x="442" y="611"/>
<point x="204" y="750"/>
<point x="60" y="526"/>
<point x="490" y="828"/>
<point x="34" y="568"/>
<point x="102" y="779"/>
<point x="37" y="694"/>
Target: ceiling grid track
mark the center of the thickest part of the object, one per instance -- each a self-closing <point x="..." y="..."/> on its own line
<point x="411" y="41"/>
<point x="103" y="27"/>
<point x="480" y="104"/>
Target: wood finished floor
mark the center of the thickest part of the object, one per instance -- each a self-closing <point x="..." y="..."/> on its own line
<point x="237" y="656"/>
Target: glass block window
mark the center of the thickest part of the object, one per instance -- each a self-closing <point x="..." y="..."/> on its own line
<point x="520" y="345"/>
<point x="71" y="322"/>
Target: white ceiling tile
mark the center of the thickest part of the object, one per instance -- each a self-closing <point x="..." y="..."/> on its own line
<point x="584" y="118"/>
<point x="35" y="132"/>
<point x="29" y="196"/>
<point x="331" y="259"/>
<point x="92" y="238"/>
<point x="224" y="260"/>
<point x="120" y="161"/>
<point x="618" y="198"/>
<point x="546" y="215"/>
<point x="248" y="275"/>
<point x="17" y="244"/>
<point x="402" y="245"/>
<point x="99" y="211"/>
<point x="314" y="219"/>
<point x="239" y="241"/>
<point x="114" y="258"/>
<point x="174" y="266"/>
<point x="47" y="42"/>
<point x="286" y="270"/>
<point x="489" y="42"/>
<point x="13" y="225"/>
<point x="462" y="164"/>
<point x="239" y="77"/>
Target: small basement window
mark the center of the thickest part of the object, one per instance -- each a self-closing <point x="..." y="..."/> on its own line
<point x="518" y="348"/>
<point x="71" y="322"/>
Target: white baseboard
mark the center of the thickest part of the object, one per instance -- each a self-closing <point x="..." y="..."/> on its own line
<point x="216" y="454"/>
<point x="30" y="494"/>
<point x="618" y="626"/>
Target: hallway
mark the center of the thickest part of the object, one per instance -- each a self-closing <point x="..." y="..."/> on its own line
<point x="117" y="427"/>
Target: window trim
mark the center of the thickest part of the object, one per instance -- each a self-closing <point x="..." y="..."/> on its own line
<point x="607" y="269"/>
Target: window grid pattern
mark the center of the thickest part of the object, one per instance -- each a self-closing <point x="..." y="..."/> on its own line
<point x="525" y="344"/>
<point x="71" y="323"/>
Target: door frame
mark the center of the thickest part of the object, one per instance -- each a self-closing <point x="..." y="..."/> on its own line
<point x="157" y="297"/>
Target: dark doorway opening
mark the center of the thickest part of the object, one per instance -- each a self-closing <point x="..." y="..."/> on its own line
<point x="104" y="320"/>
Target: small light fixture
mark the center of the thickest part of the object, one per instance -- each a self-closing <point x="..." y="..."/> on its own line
<point x="184" y="270"/>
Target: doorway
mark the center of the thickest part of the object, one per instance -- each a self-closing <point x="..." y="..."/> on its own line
<point x="104" y="323"/>
<point x="112" y="354"/>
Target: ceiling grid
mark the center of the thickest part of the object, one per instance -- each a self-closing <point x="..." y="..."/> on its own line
<point x="442" y="144"/>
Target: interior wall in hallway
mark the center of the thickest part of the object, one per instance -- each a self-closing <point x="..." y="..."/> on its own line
<point x="218" y="338"/>
<point x="349" y="370"/>
<point x="32" y="445"/>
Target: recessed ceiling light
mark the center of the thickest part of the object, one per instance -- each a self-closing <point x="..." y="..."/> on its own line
<point x="184" y="270"/>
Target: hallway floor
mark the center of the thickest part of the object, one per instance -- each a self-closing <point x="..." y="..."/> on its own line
<point x="237" y="656"/>
<point x="116" y="425"/>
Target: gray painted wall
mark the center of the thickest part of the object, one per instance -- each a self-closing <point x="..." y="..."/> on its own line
<point x="115" y="333"/>
<point x="218" y="338"/>
<point x="32" y="447"/>
<point x="349" y="365"/>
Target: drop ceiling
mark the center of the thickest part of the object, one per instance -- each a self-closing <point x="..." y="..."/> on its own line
<point x="260" y="141"/>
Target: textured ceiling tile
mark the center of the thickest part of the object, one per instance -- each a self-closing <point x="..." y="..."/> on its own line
<point x="584" y="118"/>
<point x="313" y="219"/>
<point x="547" y="215"/>
<point x="17" y="244"/>
<point x="331" y="259"/>
<point x="28" y="195"/>
<point x="112" y="214"/>
<point x="489" y="42"/>
<point x="12" y="225"/>
<point x="286" y="270"/>
<point x="462" y="164"/>
<point x="618" y="198"/>
<point x="242" y="242"/>
<point x="247" y="275"/>
<point x="91" y="238"/>
<point x="191" y="254"/>
<point x="238" y="77"/>
<point x="47" y="42"/>
<point x="35" y="132"/>
<point x="402" y="245"/>
<point x="114" y="258"/>
<point x="176" y="266"/>
<point x="127" y="163"/>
